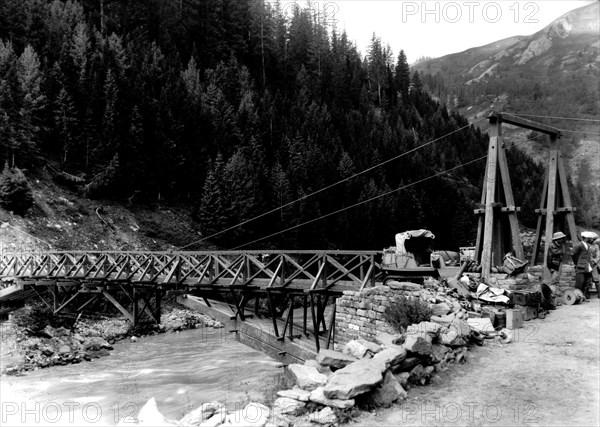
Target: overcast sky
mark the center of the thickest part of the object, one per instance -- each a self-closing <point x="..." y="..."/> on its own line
<point x="437" y="28"/>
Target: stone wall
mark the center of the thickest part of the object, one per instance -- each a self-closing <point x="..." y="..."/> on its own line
<point x="362" y="314"/>
<point x="566" y="280"/>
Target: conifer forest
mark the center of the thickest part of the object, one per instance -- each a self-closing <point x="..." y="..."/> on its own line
<point x="235" y="108"/>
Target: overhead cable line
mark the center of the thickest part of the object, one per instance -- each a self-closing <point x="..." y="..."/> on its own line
<point x="578" y="131"/>
<point x="331" y="185"/>
<point x="553" y="117"/>
<point x="360" y="203"/>
<point x="366" y="201"/>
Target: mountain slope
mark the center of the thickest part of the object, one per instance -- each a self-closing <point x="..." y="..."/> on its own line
<point x="551" y="77"/>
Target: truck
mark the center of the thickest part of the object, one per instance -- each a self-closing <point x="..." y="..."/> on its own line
<point x="410" y="260"/>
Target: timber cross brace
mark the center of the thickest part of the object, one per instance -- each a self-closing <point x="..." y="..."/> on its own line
<point x="498" y="226"/>
<point x="137" y="282"/>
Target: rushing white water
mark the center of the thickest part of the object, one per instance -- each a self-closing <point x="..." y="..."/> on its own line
<point x="180" y="371"/>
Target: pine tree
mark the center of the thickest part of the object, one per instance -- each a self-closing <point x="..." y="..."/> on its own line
<point x="15" y="194"/>
<point x="66" y="122"/>
<point x="402" y="76"/>
<point x="32" y="100"/>
<point x="212" y="212"/>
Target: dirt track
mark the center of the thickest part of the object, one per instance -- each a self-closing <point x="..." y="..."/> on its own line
<point x="550" y="375"/>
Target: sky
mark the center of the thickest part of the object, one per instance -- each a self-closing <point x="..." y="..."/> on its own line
<point x="438" y="27"/>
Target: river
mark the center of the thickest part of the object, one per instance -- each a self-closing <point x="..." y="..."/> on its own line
<point x="180" y="370"/>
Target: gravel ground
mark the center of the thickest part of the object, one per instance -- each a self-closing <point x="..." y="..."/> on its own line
<point x="549" y="376"/>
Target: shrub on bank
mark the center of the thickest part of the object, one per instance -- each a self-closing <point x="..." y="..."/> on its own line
<point x="405" y="311"/>
<point x="15" y="194"/>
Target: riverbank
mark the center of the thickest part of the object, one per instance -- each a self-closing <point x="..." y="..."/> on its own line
<point x="179" y="370"/>
<point x="32" y="340"/>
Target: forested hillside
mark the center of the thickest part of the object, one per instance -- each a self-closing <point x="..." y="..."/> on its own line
<point x="234" y="109"/>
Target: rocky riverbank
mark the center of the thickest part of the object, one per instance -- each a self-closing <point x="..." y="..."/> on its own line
<point x="28" y="345"/>
<point x="334" y="388"/>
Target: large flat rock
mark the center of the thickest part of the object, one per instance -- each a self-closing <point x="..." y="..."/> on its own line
<point x="356" y="378"/>
<point x="306" y="377"/>
<point x="418" y="343"/>
<point x="360" y="348"/>
<point x="334" y="359"/>
<point x="318" y="396"/>
<point x="391" y="356"/>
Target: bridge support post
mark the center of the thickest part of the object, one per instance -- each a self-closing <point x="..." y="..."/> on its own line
<point x="493" y="242"/>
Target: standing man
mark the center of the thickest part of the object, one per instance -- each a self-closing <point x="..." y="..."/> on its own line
<point x="556" y="252"/>
<point x="595" y="262"/>
<point x="583" y="263"/>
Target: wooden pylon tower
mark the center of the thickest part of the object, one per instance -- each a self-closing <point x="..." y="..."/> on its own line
<point x="555" y="205"/>
<point x="498" y="226"/>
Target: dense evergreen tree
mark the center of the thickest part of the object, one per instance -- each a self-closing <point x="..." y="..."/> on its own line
<point x="237" y="108"/>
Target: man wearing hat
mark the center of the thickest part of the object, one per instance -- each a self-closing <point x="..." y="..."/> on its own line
<point x="595" y="261"/>
<point x="583" y="263"/>
<point x="555" y="255"/>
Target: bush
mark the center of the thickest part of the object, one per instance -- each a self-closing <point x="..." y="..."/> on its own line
<point x="15" y="194"/>
<point x="35" y="316"/>
<point x="405" y="311"/>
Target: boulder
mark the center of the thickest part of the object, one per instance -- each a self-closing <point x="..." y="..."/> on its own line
<point x="441" y="309"/>
<point x="216" y="420"/>
<point x="402" y="378"/>
<point x="418" y="343"/>
<point x="326" y="370"/>
<point x="64" y="350"/>
<point x="451" y="338"/>
<point x="387" y="340"/>
<point x="456" y="307"/>
<point x="285" y="405"/>
<point x="312" y="362"/>
<point x="318" y="396"/>
<point x="430" y="328"/>
<point x="438" y="352"/>
<point x="96" y="343"/>
<point x="388" y="392"/>
<point x="47" y="350"/>
<point x="253" y="415"/>
<point x="391" y="356"/>
<point x="325" y="416"/>
<point x="334" y="359"/>
<point x="361" y="348"/>
<point x="418" y="375"/>
<point x="356" y="378"/>
<point x="409" y="363"/>
<point x="150" y="415"/>
<point x="461" y="327"/>
<point x="296" y="393"/>
<point x="78" y="338"/>
<point x="306" y="377"/>
<point x="201" y="413"/>
<point x="48" y="332"/>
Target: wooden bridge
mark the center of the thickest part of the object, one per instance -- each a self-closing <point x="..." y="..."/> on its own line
<point x="282" y="303"/>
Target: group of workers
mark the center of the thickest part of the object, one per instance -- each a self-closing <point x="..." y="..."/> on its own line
<point x="586" y="257"/>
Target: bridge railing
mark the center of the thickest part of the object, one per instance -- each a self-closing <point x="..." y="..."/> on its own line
<point x="304" y="269"/>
